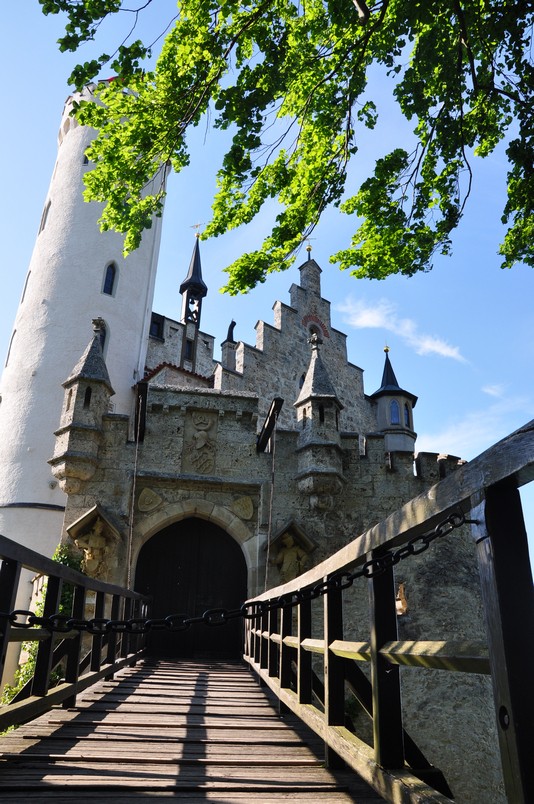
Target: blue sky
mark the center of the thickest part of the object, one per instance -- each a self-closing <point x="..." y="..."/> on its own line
<point x="460" y="336"/>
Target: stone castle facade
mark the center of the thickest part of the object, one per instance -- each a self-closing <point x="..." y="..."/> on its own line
<point x="202" y="480"/>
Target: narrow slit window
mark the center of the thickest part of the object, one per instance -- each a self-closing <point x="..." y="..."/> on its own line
<point x="87" y="397"/>
<point x="44" y="216"/>
<point x="109" y="279"/>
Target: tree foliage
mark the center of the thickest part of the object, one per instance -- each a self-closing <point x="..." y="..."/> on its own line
<point x="288" y="80"/>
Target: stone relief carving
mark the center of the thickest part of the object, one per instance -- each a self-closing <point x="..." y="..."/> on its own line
<point x="199" y="447"/>
<point x="148" y="500"/>
<point x="93" y="545"/>
<point x="243" y="507"/>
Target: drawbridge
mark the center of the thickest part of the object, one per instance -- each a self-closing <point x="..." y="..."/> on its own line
<point x="278" y="724"/>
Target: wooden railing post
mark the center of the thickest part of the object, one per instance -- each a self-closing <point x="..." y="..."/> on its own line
<point x="387" y="713"/>
<point x="508" y="594"/>
<point x="96" y="644"/>
<point x="272" y="648"/>
<point x="286" y="629"/>
<point x="304" y="657"/>
<point x="9" y="581"/>
<point x="43" y="662"/>
<point x="334" y="671"/>
<point x="112" y="636"/>
<point x="72" y="668"/>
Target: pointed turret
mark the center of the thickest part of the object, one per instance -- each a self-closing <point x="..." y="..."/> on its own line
<point x="317" y="383"/>
<point x="193" y="289"/>
<point x="91" y="365"/>
<point x="319" y="451"/>
<point x="394" y="411"/>
<point x="87" y="397"/>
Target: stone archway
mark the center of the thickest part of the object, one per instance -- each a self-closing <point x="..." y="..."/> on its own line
<point x="188" y="567"/>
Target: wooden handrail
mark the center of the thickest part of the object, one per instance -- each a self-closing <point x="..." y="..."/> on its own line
<point x="104" y="654"/>
<point x="486" y="492"/>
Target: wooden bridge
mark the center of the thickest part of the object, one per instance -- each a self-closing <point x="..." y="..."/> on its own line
<point x="181" y="730"/>
<point x="119" y="727"/>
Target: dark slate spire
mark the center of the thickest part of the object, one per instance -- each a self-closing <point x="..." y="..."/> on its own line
<point x="193" y="288"/>
<point x="389" y="382"/>
<point x="317" y="383"/>
<point x="193" y="280"/>
<point x="91" y="365"/>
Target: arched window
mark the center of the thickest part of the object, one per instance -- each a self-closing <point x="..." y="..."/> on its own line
<point x="87" y="397"/>
<point x="394" y="412"/>
<point x="109" y="279"/>
<point x="406" y="415"/>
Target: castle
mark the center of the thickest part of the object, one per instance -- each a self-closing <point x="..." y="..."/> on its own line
<point x="194" y="479"/>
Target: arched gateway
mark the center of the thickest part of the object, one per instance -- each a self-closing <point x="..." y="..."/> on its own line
<point x="189" y="567"/>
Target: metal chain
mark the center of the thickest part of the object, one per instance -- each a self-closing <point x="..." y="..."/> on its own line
<point x="61" y="623"/>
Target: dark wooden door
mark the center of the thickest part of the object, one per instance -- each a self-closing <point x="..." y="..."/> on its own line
<point x="190" y="567"/>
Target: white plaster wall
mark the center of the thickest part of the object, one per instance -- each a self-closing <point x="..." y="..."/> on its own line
<point x="52" y="328"/>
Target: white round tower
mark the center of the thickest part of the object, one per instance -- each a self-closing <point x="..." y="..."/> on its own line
<point x="76" y="274"/>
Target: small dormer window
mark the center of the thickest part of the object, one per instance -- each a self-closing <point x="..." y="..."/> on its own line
<point x="394" y="412"/>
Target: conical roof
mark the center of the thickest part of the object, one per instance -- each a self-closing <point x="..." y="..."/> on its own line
<point x="317" y="383"/>
<point x="389" y="382"/>
<point x="193" y="280"/>
<point x="91" y="365"/>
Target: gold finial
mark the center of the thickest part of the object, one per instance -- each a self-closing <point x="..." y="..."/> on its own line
<point x="386" y="348"/>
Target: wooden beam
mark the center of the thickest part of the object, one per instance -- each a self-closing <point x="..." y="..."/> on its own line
<point x="508" y="594"/>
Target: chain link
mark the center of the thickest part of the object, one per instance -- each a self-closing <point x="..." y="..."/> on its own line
<point x="62" y="624"/>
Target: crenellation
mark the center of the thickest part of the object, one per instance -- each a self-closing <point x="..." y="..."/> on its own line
<point x="177" y="472"/>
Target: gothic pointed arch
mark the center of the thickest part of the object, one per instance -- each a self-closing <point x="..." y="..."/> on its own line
<point x="189" y="567"/>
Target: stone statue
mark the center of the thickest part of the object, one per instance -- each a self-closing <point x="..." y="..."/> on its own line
<point x="291" y="559"/>
<point x="93" y="544"/>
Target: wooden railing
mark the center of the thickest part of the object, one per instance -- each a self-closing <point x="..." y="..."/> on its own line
<point x="280" y="646"/>
<point x="84" y="657"/>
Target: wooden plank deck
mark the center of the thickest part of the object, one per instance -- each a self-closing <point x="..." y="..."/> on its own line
<point x="179" y="730"/>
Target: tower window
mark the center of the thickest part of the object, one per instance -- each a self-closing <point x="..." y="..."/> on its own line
<point x="394" y="412"/>
<point x="87" y="397"/>
<point x="10" y="345"/>
<point x="406" y="415"/>
<point x="44" y="216"/>
<point x="188" y="352"/>
<point x="69" y="400"/>
<point x="25" y="286"/>
<point x="109" y="279"/>
<point x="321" y="414"/>
<point x="156" y="326"/>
